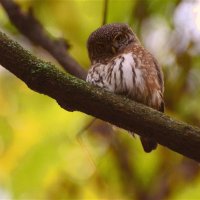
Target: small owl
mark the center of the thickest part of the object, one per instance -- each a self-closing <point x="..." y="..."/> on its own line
<point x="120" y="64"/>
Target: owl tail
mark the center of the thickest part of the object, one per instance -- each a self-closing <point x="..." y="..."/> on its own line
<point x="148" y="144"/>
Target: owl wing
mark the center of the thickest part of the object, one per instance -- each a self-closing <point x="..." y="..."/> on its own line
<point x="161" y="83"/>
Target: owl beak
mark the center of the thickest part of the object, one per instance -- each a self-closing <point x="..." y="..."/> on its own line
<point x="114" y="49"/>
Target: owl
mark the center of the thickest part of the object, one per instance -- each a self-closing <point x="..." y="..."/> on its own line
<point x="120" y="64"/>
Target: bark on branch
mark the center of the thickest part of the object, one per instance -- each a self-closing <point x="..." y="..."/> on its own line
<point x="77" y="95"/>
<point x="29" y="26"/>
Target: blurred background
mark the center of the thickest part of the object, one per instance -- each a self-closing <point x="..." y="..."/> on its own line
<point x="41" y="156"/>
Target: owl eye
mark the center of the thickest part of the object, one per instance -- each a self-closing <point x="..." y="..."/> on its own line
<point x="99" y="47"/>
<point x="120" y="38"/>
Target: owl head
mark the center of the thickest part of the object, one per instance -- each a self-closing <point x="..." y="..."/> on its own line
<point x="110" y="40"/>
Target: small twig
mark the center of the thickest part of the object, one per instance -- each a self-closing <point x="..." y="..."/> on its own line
<point x="88" y="154"/>
<point x="30" y="27"/>
<point x="105" y="12"/>
<point x="85" y="127"/>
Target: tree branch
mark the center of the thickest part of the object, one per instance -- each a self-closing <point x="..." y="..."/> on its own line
<point x="29" y="26"/>
<point x="75" y="94"/>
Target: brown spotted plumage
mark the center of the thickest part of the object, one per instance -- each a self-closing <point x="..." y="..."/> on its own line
<point x="121" y="65"/>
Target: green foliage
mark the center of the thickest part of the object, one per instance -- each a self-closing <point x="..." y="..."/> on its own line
<point x="40" y="154"/>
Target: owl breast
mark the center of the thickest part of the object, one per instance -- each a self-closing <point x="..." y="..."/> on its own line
<point x="126" y="75"/>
